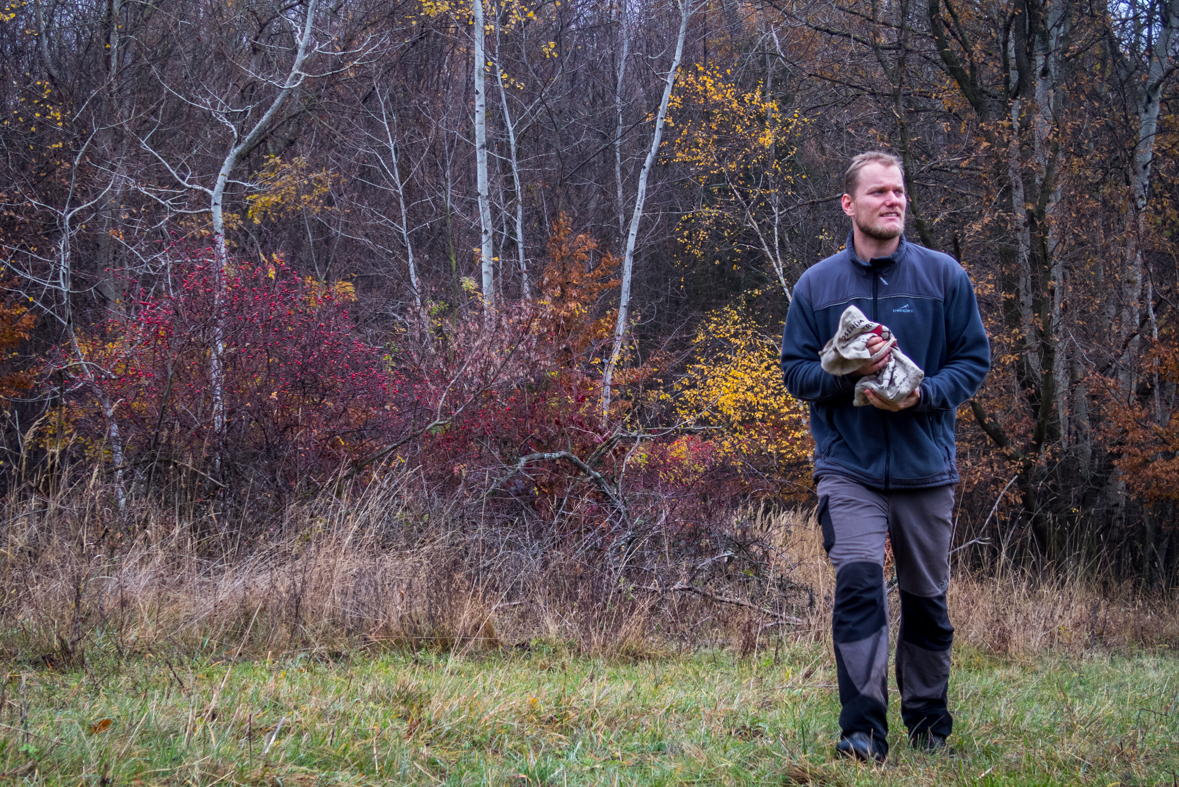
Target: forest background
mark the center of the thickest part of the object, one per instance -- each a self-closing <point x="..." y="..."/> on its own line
<point x="520" y="270"/>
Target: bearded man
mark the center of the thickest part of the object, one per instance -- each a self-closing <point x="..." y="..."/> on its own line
<point x="887" y="470"/>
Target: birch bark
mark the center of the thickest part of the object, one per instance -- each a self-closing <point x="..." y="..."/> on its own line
<point x="486" y="257"/>
<point x="526" y="287"/>
<point x="1146" y="95"/>
<point x="622" y="324"/>
<point x="393" y="172"/>
<point x="624" y="35"/>
<point x="243" y="141"/>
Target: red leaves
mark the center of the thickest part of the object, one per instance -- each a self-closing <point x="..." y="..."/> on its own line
<point x="301" y="395"/>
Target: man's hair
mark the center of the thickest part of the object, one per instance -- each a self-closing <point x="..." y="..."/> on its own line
<point x="851" y="178"/>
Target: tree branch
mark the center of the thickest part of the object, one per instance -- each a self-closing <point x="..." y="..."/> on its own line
<point x="683" y="587"/>
<point x="577" y="462"/>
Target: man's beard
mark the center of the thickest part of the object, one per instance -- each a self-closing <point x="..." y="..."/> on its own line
<point x="879" y="231"/>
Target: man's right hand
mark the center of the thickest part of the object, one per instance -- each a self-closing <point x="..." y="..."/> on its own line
<point x="874" y="345"/>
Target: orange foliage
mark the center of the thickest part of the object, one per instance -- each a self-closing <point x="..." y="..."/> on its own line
<point x="15" y="326"/>
<point x="570" y="287"/>
<point x="1148" y="450"/>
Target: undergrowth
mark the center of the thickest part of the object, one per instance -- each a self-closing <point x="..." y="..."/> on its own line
<point x="360" y="638"/>
<point x="369" y="566"/>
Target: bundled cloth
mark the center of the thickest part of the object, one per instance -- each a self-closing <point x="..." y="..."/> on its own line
<point x="848" y="351"/>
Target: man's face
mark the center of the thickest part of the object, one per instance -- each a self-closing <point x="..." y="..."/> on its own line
<point x="878" y="206"/>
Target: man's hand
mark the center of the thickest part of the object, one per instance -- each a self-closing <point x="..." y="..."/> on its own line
<point x="903" y="404"/>
<point x="871" y="367"/>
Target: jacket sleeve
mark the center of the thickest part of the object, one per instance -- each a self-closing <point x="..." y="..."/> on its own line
<point x="968" y="353"/>
<point x="801" y="343"/>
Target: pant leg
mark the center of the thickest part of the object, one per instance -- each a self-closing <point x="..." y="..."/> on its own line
<point x="855" y="523"/>
<point x="920" y="527"/>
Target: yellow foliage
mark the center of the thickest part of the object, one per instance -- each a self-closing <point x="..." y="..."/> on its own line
<point x="722" y="130"/>
<point x="341" y="291"/>
<point x="287" y="187"/>
<point x="740" y="145"/>
<point x="435" y="7"/>
<point x="199" y="226"/>
<point x="506" y="14"/>
<point x="734" y="386"/>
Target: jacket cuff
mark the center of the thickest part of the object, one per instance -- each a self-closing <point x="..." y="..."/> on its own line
<point x="925" y="403"/>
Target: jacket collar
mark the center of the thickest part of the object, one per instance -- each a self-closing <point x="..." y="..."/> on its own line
<point x="877" y="263"/>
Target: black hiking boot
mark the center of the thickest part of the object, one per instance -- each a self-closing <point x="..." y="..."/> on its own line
<point x="862" y="746"/>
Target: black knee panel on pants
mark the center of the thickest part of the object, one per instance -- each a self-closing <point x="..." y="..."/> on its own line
<point x="859" y="602"/>
<point x="925" y="622"/>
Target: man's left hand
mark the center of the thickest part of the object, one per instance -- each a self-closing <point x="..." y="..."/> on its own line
<point x="903" y="404"/>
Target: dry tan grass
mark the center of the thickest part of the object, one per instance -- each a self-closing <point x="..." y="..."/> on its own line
<point x="72" y="568"/>
<point x="1010" y="611"/>
<point x="1016" y="614"/>
<point x="338" y="572"/>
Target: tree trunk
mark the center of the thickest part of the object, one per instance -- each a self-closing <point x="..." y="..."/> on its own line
<point x="620" y="328"/>
<point x="394" y="172"/>
<point x="624" y="35"/>
<point x="519" y="193"/>
<point x="1148" y="106"/>
<point x="242" y="143"/>
<point x="486" y="258"/>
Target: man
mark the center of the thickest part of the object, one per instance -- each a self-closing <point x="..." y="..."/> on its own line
<point x="887" y="469"/>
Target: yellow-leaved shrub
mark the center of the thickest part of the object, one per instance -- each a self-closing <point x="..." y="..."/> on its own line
<point x="732" y="391"/>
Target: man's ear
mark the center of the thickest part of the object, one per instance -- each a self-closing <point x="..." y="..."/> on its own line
<point x="846" y="202"/>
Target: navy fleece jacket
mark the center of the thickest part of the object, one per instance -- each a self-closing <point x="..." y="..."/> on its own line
<point x="926" y="299"/>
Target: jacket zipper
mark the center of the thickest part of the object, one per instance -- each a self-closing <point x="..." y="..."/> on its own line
<point x="883" y="418"/>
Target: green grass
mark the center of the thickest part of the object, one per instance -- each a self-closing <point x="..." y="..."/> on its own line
<point x="548" y="716"/>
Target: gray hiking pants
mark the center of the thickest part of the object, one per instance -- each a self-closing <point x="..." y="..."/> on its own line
<point x="855" y="521"/>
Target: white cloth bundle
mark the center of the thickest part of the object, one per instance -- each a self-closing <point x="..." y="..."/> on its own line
<point x="848" y="351"/>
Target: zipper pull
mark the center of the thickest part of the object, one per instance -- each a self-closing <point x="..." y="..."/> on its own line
<point x="883" y="279"/>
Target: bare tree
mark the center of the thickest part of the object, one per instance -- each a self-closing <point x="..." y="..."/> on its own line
<point x="1141" y="53"/>
<point x="247" y="124"/>
<point x="628" y="261"/>
<point x="514" y="163"/>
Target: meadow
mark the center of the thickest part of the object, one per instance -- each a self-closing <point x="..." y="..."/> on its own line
<point x="342" y="652"/>
<point x="543" y="714"/>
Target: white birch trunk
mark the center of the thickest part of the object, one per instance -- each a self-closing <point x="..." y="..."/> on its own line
<point x="241" y="144"/>
<point x="1159" y="67"/>
<point x="620" y="328"/>
<point x="116" y="442"/>
<point x="618" y="129"/>
<point x="519" y="212"/>
<point x="1049" y="71"/>
<point x="776" y="198"/>
<point x="394" y="173"/>
<point x="1023" y="235"/>
<point x="486" y="257"/>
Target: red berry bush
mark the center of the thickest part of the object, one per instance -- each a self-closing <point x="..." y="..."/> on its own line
<point x="302" y="396"/>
